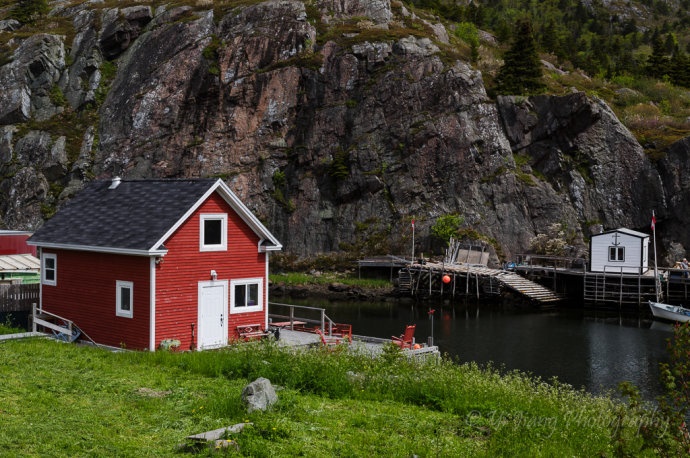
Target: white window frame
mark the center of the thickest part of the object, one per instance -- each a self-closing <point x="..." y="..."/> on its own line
<point x="44" y="269"/>
<point x="247" y="308"/>
<point x="618" y="254"/>
<point x="120" y="285"/>
<point x="223" y="245"/>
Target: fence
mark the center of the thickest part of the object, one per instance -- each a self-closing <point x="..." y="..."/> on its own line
<point x="18" y="298"/>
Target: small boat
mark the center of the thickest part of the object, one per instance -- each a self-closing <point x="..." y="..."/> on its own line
<point x="669" y="312"/>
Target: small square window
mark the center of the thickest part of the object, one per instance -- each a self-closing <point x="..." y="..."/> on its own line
<point x="124" y="299"/>
<point x="616" y="253"/>
<point x="213" y="232"/>
<point x="49" y="269"/>
<point x="246" y="295"/>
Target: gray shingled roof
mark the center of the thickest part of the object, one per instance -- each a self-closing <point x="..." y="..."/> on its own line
<point x="133" y="216"/>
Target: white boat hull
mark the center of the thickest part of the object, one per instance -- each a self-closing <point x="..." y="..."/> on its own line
<point x="669" y="312"/>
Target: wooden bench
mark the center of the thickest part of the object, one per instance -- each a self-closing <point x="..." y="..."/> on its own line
<point x="251" y="331"/>
<point x="288" y="324"/>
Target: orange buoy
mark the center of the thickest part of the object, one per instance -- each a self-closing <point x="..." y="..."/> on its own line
<point x="446" y="279"/>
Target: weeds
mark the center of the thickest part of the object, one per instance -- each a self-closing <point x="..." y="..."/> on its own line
<point x="331" y="403"/>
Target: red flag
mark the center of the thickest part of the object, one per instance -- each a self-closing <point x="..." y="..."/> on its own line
<point x="653" y="221"/>
<point x="412" y="224"/>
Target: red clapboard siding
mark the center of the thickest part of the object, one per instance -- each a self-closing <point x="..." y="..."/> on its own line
<point x="181" y="270"/>
<point x="15" y="244"/>
<point x="86" y="290"/>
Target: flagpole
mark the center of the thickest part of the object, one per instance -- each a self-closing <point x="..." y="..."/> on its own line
<point x="656" y="273"/>
<point x="413" y="240"/>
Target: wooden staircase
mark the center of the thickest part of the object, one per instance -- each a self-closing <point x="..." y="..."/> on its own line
<point x="528" y="288"/>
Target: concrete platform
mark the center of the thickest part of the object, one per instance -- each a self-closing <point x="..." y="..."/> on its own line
<point x="367" y="345"/>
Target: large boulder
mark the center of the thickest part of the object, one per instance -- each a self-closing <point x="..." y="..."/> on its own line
<point x="259" y="395"/>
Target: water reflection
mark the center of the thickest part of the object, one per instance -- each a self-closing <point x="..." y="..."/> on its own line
<point x="592" y="350"/>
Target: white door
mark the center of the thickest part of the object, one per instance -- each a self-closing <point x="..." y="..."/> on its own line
<point x="213" y="314"/>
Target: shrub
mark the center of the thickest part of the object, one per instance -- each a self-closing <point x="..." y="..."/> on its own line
<point x="446" y="226"/>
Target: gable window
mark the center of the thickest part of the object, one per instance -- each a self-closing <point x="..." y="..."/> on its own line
<point x="213" y="234"/>
<point x="246" y="295"/>
<point x="49" y="269"/>
<point x="616" y="253"/>
<point x="124" y="299"/>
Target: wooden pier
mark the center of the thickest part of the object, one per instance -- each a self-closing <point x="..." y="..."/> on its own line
<point x="469" y="280"/>
<point x="609" y="289"/>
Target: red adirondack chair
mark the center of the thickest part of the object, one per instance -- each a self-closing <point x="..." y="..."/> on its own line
<point x="331" y="341"/>
<point x="405" y="339"/>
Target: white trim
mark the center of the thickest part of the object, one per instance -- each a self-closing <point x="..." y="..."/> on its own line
<point x="119" y="286"/>
<point x="249" y="218"/>
<point x="39" y="253"/>
<point x="100" y="249"/>
<point x="199" y="327"/>
<point x="223" y="218"/>
<point x="44" y="269"/>
<point x="236" y="204"/>
<point x="618" y="250"/>
<point x="152" y="304"/>
<point x="266" y="293"/>
<point x="247" y="308"/>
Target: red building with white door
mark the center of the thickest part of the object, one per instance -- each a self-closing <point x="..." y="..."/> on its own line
<point x="134" y="263"/>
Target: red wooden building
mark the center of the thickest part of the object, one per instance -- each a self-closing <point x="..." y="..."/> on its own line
<point x="134" y="263"/>
<point x="14" y="242"/>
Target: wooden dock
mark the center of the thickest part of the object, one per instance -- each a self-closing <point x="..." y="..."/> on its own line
<point x="615" y="290"/>
<point x="464" y="280"/>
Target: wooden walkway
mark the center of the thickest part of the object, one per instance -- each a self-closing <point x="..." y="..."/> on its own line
<point x="528" y="288"/>
<point x="469" y="279"/>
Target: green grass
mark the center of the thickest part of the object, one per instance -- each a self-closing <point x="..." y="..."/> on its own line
<point x="298" y="278"/>
<point x="7" y="328"/>
<point x="65" y="400"/>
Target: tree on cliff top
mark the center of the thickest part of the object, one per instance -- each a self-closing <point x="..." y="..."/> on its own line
<point x="28" y="11"/>
<point x="521" y="71"/>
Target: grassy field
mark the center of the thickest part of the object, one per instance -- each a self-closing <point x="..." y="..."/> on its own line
<point x="299" y="278"/>
<point x="60" y="399"/>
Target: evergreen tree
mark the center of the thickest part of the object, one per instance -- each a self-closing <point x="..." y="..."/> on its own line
<point x="657" y="62"/>
<point x="679" y="69"/>
<point x="521" y="71"/>
<point x="27" y="11"/>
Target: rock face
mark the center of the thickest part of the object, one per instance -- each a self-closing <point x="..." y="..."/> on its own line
<point x="333" y="126"/>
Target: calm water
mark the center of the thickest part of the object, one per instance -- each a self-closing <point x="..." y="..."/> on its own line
<point x="596" y="351"/>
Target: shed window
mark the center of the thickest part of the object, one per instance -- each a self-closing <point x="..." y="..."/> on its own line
<point x="49" y="269"/>
<point x="213" y="232"/>
<point x="616" y="253"/>
<point x="246" y="295"/>
<point x="125" y="296"/>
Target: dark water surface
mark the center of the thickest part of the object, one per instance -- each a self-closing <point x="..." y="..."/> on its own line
<point x="594" y="350"/>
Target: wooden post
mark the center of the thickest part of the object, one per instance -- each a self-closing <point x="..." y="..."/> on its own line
<point x="430" y="277"/>
<point x="34" y="328"/>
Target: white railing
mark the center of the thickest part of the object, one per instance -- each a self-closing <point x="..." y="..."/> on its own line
<point x="301" y="314"/>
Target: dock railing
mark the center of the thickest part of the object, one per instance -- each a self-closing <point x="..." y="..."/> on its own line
<point x="557" y="262"/>
<point x="300" y="314"/>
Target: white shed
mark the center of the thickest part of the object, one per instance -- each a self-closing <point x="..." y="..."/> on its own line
<point x="619" y="251"/>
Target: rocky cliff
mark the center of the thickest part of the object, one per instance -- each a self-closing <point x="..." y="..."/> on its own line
<point x="337" y="122"/>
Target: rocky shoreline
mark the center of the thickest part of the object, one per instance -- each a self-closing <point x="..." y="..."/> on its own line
<point x="332" y="291"/>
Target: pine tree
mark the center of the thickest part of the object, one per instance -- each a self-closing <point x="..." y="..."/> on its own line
<point x="679" y="69"/>
<point x="521" y="71"/>
<point x="28" y="11"/>
<point x="657" y="62"/>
